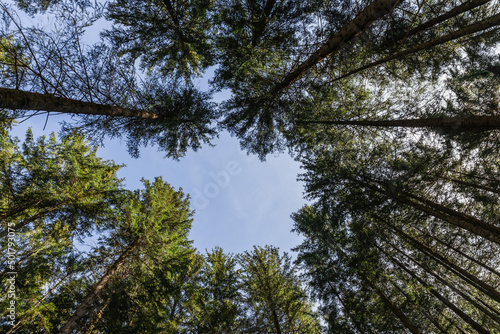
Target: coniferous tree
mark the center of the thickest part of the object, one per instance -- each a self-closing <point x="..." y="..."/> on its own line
<point x="53" y="72"/>
<point x="53" y="194"/>
<point x="389" y="222"/>
<point x="152" y="230"/>
<point x="274" y="300"/>
<point x="217" y="304"/>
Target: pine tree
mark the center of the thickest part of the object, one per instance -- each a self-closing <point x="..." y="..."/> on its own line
<point x="54" y="73"/>
<point x="150" y="239"/>
<point x="275" y="301"/>
<point x="217" y="304"/>
<point x="52" y="194"/>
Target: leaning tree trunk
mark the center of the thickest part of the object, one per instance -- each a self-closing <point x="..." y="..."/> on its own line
<point x="457" y="124"/>
<point x="444" y="300"/>
<point x="82" y="309"/>
<point x="460" y="272"/>
<point x="263" y="21"/>
<point x="474" y="185"/>
<point x="448" y="284"/>
<point x="479" y="263"/>
<point x="22" y="100"/>
<point x="490" y="22"/>
<point x="361" y="22"/>
<point x="465" y="7"/>
<point x="471" y="224"/>
<point x="393" y="307"/>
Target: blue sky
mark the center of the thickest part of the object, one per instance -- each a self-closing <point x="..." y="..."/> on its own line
<point x="239" y="200"/>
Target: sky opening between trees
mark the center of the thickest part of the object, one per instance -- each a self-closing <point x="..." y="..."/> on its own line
<point x="391" y="108"/>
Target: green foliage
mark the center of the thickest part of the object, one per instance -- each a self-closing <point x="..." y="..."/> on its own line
<point x="403" y="222"/>
<point x="51" y="193"/>
<point x="275" y="301"/>
<point x="217" y="304"/>
<point x="61" y="181"/>
<point x="172" y="36"/>
<point x="390" y="221"/>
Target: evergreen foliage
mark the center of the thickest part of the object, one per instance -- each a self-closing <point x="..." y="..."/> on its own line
<point x="392" y="107"/>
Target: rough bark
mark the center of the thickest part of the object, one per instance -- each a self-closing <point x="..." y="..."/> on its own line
<point x="474" y="28"/>
<point x="458" y="124"/>
<point x="22" y="100"/>
<point x="82" y="309"/>
<point x="376" y="10"/>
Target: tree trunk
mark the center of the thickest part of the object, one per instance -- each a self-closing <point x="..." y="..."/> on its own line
<point x="465" y="296"/>
<point x="489" y="268"/>
<point x="474" y="185"/>
<point x="261" y="24"/>
<point x="18" y="99"/>
<point x="365" y="18"/>
<point x="444" y="300"/>
<point x="465" y="275"/>
<point x="465" y="7"/>
<point x="348" y="311"/>
<point x="91" y="297"/>
<point x="458" y="124"/>
<point x="427" y="315"/>
<point x="474" y="28"/>
<point x="98" y="317"/>
<point x="395" y="309"/>
<point x="453" y="217"/>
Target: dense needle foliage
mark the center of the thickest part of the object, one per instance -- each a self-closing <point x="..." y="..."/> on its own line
<point x="391" y="106"/>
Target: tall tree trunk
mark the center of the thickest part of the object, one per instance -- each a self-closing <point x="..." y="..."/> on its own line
<point x="474" y="185"/>
<point x="465" y="7"/>
<point x="485" y="266"/>
<point x="464" y="274"/>
<point x="98" y="317"/>
<point x="348" y="311"/>
<point x="490" y="22"/>
<point x="464" y="295"/>
<point x="469" y="175"/>
<point x="395" y="309"/>
<point x="22" y="100"/>
<point x="427" y="315"/>
<point x="458" y="124"/>
<point x="453" y="217"/>
<point x="361" y="22"/>
<point x="276" y="321"/>
<point x="264" y="19"/>
<point x="449" y="304"/>
<point x="82" y="309"/>
<point x="434" y="322"/>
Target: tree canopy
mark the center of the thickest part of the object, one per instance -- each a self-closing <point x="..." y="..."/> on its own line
<point x="391" y="107"/>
